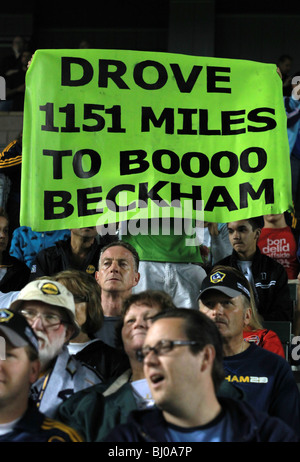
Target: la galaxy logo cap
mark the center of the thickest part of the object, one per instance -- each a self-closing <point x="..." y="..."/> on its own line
<point x="17" y="330"/>
<point x="51" y="292"/>
<point x="228" y="283"/>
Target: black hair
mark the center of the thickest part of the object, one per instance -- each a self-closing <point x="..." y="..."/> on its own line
<point x="199" y="328"/>
<point x="283" y="58"/>
<point x="256" y="222"/>
<point x="127" y="246"/>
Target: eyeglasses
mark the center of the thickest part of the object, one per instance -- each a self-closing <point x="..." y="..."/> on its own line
<point x="49" y="320"/>
<point x="162" y="347"/>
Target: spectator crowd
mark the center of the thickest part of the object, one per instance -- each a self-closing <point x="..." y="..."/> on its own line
<point x="138" y="339"/>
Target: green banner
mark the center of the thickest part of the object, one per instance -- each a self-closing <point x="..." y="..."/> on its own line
<point x="111" y="135"/>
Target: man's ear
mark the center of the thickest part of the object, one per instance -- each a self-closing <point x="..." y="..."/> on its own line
<point x="257" y="233"/>
<point x="208" y="356"/>
<point x="247" y="317"/>
<point x="35" y="367"/>
<point x="96" y="275"/>
<point x="69" y="332"/>
<point x="136" y="279"/>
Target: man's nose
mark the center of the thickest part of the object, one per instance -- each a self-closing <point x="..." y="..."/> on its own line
<point x="114" y="266"/>
<point x="236" y="234"/>
<point x="37" y="323"/>
<point x="151" y="358"/>
<point x="217" y="308"/>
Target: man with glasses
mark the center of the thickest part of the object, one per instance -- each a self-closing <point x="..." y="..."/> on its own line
<point x="182" y="357"/>
<point x="50" y="310"/>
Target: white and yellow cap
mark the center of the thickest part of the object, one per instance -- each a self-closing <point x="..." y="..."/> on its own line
<point x="51" y="292"/>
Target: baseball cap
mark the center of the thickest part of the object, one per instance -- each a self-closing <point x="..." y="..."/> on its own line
<point x="51" y="292"/>
<point x="17" y="330"/>
<point x="226" y="282"/>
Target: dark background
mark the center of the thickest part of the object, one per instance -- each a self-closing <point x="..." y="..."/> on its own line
<point x="256" y="30"/>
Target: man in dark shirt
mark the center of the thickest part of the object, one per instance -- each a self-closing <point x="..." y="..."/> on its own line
<point x="182" y="352"/>
<point x="267" y="277"/>
<point x="117" y="274"/>
<point x="265" y="377"/>
<point x="20" y="420"/>
<point x="81" y="251"/>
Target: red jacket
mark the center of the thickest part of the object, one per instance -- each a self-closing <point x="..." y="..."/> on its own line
<point x="266" y="339"/>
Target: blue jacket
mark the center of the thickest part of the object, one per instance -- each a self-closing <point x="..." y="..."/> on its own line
<point x="248" y="424"/>
<point x="26" y="244"/>
<point x="35" y="427"/>
<point x="292" y="109"/>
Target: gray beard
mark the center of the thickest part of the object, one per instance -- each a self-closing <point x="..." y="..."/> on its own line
<point x="50" y="352"/>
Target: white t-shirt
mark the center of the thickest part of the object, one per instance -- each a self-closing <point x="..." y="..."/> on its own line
<point x="8" y="427"/>
<point x="142" y="394"/>
<point x="246" y="268"/>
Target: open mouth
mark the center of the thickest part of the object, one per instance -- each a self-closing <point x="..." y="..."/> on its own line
<point x="156" y="379"/>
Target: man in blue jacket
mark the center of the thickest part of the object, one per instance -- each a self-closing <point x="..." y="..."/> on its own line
<point x="182" y="356"/>
<point x="20" y="420"/>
